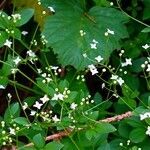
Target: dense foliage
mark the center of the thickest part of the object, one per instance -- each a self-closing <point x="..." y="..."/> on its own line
<point x="75" y="74"/>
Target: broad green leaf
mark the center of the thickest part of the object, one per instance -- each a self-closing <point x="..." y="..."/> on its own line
<point x="7" y="66"/>
<point x="21" y="121"/>
<point x="4" y="22"/>
<point x="146" y="30"/>
<point x="62" y="31"/>
<point x="39" y="141"/>
<point x="137" y="135"/>
<point x="53" y="146"/>
<point x="11" y="112"/>
<point x="124" y="129"/>
<point x="3" y="37"/>
<point x="3" y="81"/>
<point x="26" y="15"/>
<point x="104" y="128"/>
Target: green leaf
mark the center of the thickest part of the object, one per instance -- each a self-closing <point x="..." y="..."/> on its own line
<point x="62" y="31"/>
<point x="39" y="141"/>
<point x="17" y="34"/>
<point x="53" y="146"/>
<point x="105" y="128"/>
<point x="146" y="30"/>
<point x="11" y="112"/>
<point x="21" y="121"/>
<point x="26" y="15"/>
<point x="4" y="22"/>
<point x="101" y="128"/>
<point x="3" y="37"/>
<point x="137" y="135"/>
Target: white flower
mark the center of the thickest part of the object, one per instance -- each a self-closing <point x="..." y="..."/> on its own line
<point x="148" y="68"/>
<point x="110" y="31"/>
<point x="32" y="113"/>
<point x="146" y="46"/>
<point x="24" y="33"/>
<point x="31" y="53"/>
<point x="25" y="106"/>
<point x="145" y="115"/>
<point x="84" y="55"/>
<point x="17" y="60"/>
<point x="99" y="58"/>
<point x="16" y="17"/>
<point x="51" y="9"/>
<point x="94" y="41"/>
<point x="148" y="131"/>
<point x="103" y="85"/>
<point x="73" y="106"/>
<point x="120" y="81"/>
<point x="114" y="77"/>
<point x="128" y="61"/>
<point x="55" y="118"/>
<point x="58" y="96"/>
<point x="9" y="95"/>
<point x="37" y="105"/>
<point x="12" y="131"/>
<point x="44" y="99"/>
<point x="8" y="43"/>
<point x="14" y="70"/>
<point x="93" y="69"/>
<point x="2" y="87"/>
<point x="93" y="46"/>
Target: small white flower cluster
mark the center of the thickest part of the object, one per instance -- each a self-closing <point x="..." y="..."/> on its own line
<point x="109" y="32"/>
<point x="94" y="44"/>
<point x="148" y="131"/>
<point x="128" y="61"/>
<point x="16" y="17"/>
<point x="73" y="106"/>
<point x="86" y="100"/>
<point x="44" y="99"/>
<point x="93" y="69"/>
<point x="60" y="96"/>
<point x="80" y="77"/>
<point x="31" y="56"/>
<point x="47" y="78"/>
<point x="7" y="132"/>
<point x="146" y="65"/>
<point x="121" y="53"/>
<point x="16" y="61"/>
<point x="146" y="46"/>
<point x="116" y="79"/>
<point x="9" y="31"/>
<point x="34" y="42"/>
<point x="82" y="33"/>
<point x="43" y="40"/>
<point x="46" y="116"/>
<point x="56" y="69"/>
<point x="145" y="115"/>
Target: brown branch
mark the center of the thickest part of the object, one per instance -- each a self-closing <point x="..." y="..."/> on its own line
<point x="118" y="117"/>
<point x="67" y="132"/>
